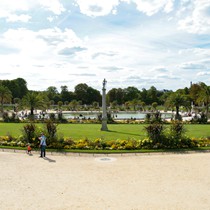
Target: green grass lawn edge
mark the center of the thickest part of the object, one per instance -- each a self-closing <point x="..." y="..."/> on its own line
<point x="113" y="151"/>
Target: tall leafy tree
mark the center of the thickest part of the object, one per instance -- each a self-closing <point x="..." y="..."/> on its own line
<point x="65" y="95"/>
<point x="86" y="94"/>
<point x="116" y="94"/>
<point x="194" y="93"/>
<point x="143" y="95"/>
<point x="18" y="87"/>
<point x="152" y="94"/>
<point x="53" y="94"/>
<point x="80" y="91"/>
<point x="5" y="96"/>
<point x="93" y="95"/>
<point x="131" y="93"/>
<point x="22" y="87"/>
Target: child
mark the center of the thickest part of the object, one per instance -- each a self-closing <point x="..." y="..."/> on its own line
<point x="29" y="149"/>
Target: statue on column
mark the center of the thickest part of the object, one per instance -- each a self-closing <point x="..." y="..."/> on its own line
<point x="104" y="113"/>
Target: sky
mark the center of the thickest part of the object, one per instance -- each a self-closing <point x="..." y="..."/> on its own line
<point x="139" y="43"/>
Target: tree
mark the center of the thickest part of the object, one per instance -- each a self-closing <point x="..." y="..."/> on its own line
<point x="87" y="94"/>
<point x="22" y="87"/>
<point x="131" y="93"/>
<point x="116" y="95"/>
<point x="80" y="91"/>
<point x="143" y="105"/>
<point x="204" y="96"/>
<point x="5" y="96"/>
<point x="32" y="100"/>
<point x="93" y="95"/>
<point x="113" y="104"/>
<point x="165" y="94"/>
<point x="127" y="105"/>
<point x="135" y="102"/>
<point x="194" y="93"/>
<point x="73" y="104"/>
<point x="143" y="95"/>
<point x="53" y="94"/>
<point x="176" y="100"/>
<point x="95" y="105"/>
<point x="152" y="95"/>
<point x="154" y="105"/>
<point x="18" y="87"/>
<point x="65" y="96"/>
<point x="60" y="104"/>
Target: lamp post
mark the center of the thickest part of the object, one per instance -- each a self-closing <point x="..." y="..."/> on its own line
<point x="104" y="113"/>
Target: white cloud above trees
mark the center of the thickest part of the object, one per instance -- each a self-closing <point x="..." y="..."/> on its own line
<point x="139" y="43"/>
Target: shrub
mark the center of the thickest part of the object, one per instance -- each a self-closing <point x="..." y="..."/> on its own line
<point x="68" y="143"/>
<point x="51" y="128"/>
<point x="29" y="132"/>
<point x="145" y="144"/>
<point x="176" y="137"/>
<point x="155" y="132"/>
<point x="84" y="144"/>
<point x="177" y="129"/>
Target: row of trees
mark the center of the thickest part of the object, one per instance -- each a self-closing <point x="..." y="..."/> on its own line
<point x="16" y="92"/>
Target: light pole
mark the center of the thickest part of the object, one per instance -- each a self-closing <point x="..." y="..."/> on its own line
<point x="104" y="113"/>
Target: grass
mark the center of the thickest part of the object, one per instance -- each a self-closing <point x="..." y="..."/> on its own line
<point x="92" y="131"/>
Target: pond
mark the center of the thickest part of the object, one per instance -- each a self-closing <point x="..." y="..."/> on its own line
<point x="116" y="115"/>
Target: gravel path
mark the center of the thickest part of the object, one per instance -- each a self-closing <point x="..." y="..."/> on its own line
<point x="87" y="182"/>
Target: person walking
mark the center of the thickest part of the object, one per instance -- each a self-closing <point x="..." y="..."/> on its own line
<point x="28" y="148"/>
<point x="43" y="145"/>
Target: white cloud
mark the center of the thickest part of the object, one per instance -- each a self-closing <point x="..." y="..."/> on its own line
<point x="15" y="18"/>
<point x="9" y="8"/>
<point x="50" y="19"/>
<point x="150" y="7"/>
<point x="101" y="8"/>
<point x="192" y="66"/>
<point x="203" y="73"/>
<point x="36" y="48"/>
<point x="127" y="49"/>
<point x="96" y="8"/>
<point x="20" y="5"/>
<point x="199" y="19"/>
<point x="52" y="5"/>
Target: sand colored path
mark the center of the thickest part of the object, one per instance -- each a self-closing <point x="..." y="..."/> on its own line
<point x="143" y="182"/>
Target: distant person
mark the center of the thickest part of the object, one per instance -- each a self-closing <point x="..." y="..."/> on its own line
<point x="29" y="149"/>
<point x="42" y="145"/>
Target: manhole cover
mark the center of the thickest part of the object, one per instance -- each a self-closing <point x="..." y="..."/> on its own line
<point x="105" y="159"/>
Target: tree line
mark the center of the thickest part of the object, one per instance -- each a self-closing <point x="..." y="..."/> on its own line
<point x="16" y="92"/>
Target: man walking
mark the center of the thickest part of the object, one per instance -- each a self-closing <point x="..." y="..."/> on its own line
<point x="42" y="144"/>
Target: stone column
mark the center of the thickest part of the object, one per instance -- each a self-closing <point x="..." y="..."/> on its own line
<point x="104" y="113"/>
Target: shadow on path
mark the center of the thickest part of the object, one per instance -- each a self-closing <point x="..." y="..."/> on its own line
<point x="50" y="160"/>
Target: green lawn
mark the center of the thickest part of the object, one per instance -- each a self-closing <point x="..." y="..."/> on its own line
<point x="92" y="131"/>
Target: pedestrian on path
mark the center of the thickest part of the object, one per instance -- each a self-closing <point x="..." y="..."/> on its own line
<point x="29" y="148"/>
<point x="42" y="145"/>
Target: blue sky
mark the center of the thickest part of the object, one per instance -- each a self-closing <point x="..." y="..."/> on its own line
<point x="140" y="43"/>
